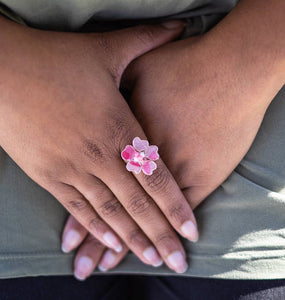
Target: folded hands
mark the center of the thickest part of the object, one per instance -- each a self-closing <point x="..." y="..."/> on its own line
<point x="65" y="123"/>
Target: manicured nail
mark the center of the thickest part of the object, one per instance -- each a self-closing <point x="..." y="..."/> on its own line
<point x="83" y="268"/>
<point x="107" y="261"/>
<point x="177" y="261"/>
<point x="112" y="241"/>
<point x="71" y="239"/>
<point x="173" y="24"/>
<point x="189" y="229"/>
<point x="153" y="257"/>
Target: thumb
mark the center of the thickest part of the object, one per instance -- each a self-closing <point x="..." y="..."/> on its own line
<point x="129" y="43"/>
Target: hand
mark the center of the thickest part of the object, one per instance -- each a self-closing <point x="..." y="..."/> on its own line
<point x="64" y="122"/>
<point x="200" y="116"/>
<point x="203" y="99"/>
<point x="201" y="108"/>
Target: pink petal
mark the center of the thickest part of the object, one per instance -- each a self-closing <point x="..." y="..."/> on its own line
<point x="134" y="166"/>
<point x="151" y="153"/>
<point x="140" y="145"/>
<point x="148" y="167"/>
<point x="128" y="153"/>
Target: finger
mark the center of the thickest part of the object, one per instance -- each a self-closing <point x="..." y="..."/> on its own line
<point x="111" y="169"/>
<point x="111" y="259"/>
<point x="125" y="45"/>
<point x="114" y="214"/>
<point x="149" y="218"/>
<point x="161" y="186"/>
<point x="84" y="213"/>
<point x="73" y="234"/>
<point x="88" y="257"/>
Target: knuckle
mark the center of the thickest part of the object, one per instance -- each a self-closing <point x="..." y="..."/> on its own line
<point x="136" y="237"/>
<point x="110" y="208"/>
<point x="165" y="239"/>
<point x="77" y="205"/>
<point x="158" y="181"/>
<point x="177" y="212"/>
<point x="139" y="205"/>
<point x="91" y="150"/>
<point x="95" y="223"/>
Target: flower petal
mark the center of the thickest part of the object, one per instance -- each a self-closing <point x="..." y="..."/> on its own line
<point x="151" y="153"/>
<point x="134" y="166"/>
<point x="128" y="153"/>
<point x="148" y="167"/>
<point x="140" y="145"/>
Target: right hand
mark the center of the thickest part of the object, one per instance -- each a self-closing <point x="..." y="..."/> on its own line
<point x="64" y="122"/>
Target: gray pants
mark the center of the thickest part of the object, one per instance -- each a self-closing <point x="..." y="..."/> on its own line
<point x="242" y="224"/>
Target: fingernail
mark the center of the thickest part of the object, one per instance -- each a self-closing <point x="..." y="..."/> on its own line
<point x="107" y="261"/>
<point x="112" y="241"/>
<point x="71" y="239"/>
<point x="173" y="24"/>
<point x="83" y="268"/>
<point x="177" y="261"/>
<point x="153" y="257"/>
<point x="190" y="231"/>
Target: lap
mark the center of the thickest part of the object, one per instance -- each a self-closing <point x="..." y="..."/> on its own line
<point x="241" y="224"/>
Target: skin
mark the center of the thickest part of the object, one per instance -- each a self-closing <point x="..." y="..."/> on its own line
<point x="64" y="122"/>
<point x="190" y="94"/>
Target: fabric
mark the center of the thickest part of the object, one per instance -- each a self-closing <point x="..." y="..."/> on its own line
<point x="241" y="225"/>
<point x="150" y="288"/>
<point x="73" y="14"/>
<point x="185" y="288"/>
<point x="65" y="287"/>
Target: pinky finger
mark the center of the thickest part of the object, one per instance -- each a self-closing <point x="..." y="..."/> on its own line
<point x="73" y="234"/>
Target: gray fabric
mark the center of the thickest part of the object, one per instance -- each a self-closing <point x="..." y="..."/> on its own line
<point x="73" y="14"/>
<point x="242" y="224"/>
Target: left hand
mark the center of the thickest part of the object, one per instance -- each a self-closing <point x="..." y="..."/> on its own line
<point x="202" y="108"/>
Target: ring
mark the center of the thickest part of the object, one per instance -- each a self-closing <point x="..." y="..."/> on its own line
<point x="140" y="156"/>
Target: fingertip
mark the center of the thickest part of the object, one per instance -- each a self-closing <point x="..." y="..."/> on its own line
<point x="177" y="262"/>
<point x="64" y="250"/>
<point x="84" y="268"/>
<point x="71" y="239"/>
<point x="108" y="261"/>
<point x="190" y="231"/>
<point x="112" y="241"/>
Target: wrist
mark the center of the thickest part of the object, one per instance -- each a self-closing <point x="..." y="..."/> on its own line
<point x="250" y="40"/>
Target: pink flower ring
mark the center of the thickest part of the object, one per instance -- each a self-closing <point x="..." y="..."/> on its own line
<point x="140" y="156"/>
